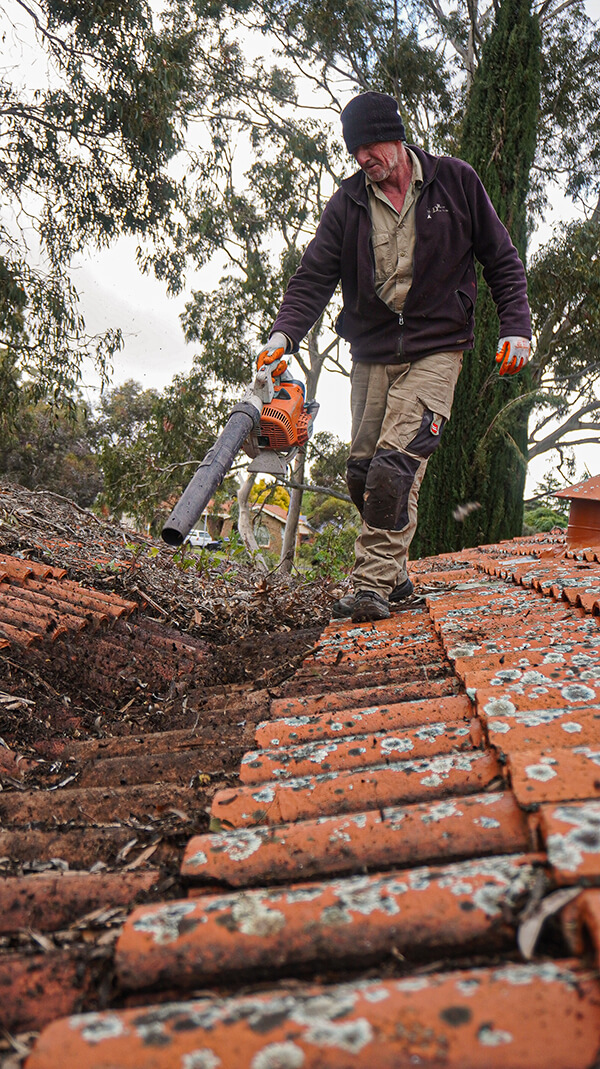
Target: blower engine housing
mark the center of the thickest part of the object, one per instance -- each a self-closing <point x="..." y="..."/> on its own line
<point x="284" y="422"/>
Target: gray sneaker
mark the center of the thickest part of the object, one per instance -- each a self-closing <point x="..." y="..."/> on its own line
<point x="369" y="606"/>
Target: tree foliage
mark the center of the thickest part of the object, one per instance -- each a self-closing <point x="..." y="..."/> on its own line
<point x="327" y="456"/>
<point x="84" y="157"/>
<point x="564" y="284"/>
<point x="543" y="518"/>
<point x="568" y="131"/>
<point x="41" y="446"/>
<point x="272" y="493"/>
<point x="327" y="459"/>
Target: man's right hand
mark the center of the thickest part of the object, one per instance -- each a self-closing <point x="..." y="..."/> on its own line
<point x="275" y="348"/>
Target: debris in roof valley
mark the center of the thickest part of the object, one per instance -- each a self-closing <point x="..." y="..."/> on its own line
<point x="236" y="836"/>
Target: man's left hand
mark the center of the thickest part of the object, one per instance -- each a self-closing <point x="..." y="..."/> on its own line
<point x="513" y="354"/>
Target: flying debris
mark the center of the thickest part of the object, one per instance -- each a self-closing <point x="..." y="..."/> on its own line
<point x="462" y="511"/>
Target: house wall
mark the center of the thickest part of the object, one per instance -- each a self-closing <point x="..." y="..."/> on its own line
<point x="274" y="527"/>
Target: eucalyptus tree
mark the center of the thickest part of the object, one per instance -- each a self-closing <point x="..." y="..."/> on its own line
<point x="45" y="446"/>
<point x="564" y="285"/>
<point x="93" y="102"/>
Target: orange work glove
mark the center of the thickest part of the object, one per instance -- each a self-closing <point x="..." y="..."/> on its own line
<point x="276" y="346"/>
<point x="513" y="353"/>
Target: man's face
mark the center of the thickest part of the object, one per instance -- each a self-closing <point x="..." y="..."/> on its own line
<point x="378" y="159"/>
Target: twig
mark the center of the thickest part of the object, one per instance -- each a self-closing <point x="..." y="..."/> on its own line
<point x="154" y="604"/>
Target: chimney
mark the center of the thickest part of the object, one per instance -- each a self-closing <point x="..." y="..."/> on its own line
<point x="584" y="514"/>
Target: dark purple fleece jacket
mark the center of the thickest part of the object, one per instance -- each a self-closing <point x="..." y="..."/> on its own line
<point x="455" y="221"/>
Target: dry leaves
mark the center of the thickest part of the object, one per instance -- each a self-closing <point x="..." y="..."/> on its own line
<point x="531" y="927"/>
<point x="462" y="511"/>
<point x="216" y="599"/>
<point x="12" y="702"/>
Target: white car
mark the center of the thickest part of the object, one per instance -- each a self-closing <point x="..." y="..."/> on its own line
<point x="203" y="539"/>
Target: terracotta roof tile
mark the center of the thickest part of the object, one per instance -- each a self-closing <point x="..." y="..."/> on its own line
<point x="536" y="690"/>
<point x="386" y="784"/>
<point x="451" y="908"/>
<point x="359" y="751"/>
<point x="56" y="977"/>
<point x="544" y="728"/>
<point x="51" y="902"/>
<point x="78" y="847"/>
<point x="94" y="806"/>
<point x="555" y="775"/>
<point x="14" y="568"/>
<point x="356" y="698"/>
<point x="590" y="553"/>
<point x="574" y="646"/>
<point x="571" y="836"/>
<point x="461" y="735"/>
<point x="38" y="603"/>
<point x="399" y="715"/>
<point x="467" y="826"/>
<point x="525" y="1016"/>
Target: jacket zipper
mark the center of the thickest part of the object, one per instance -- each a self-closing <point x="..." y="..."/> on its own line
<point x="423" y="188"/>
<point x="400" y="316"/>
<point x="364" y="206"/>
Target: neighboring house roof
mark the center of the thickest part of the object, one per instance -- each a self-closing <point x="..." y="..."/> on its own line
<point x="410" y="859"/>
<point x="271" y="510"/>
<point x="222" y="510"/>
<point x="275" y="511"/>
<point x="588" y="489"/>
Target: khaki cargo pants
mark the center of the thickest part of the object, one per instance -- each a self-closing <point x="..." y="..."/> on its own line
<point x="398" y="414"/>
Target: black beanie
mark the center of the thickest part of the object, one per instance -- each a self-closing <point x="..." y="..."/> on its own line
<point x="371" y="117"/>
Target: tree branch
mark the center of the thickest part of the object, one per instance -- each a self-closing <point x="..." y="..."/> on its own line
<point x="545" y="14"/>
<point x="569" y="426"/>
<point x="327" y="491"/>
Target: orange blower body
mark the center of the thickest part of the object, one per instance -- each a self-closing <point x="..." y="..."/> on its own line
<point x="284" y="421"/>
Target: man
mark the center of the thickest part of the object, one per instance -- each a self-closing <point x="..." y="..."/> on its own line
<point x="401" y="235"/>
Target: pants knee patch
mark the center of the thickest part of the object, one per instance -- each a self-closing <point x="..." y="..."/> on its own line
<point x="428" y="436"/>
<point x="388" y="486"/>
<point x="356" y="478"/>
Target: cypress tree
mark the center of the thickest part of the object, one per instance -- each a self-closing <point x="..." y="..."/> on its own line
<point x="483" y="453"/>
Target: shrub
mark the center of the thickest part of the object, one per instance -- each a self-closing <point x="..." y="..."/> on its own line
<point x="331" y="554"/>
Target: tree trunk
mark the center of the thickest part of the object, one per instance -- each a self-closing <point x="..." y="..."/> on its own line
<point x="484" y="458"/>
<point x="290" y="534"/>
<point x="311" y="371"/>
<point x="245" y="527"/>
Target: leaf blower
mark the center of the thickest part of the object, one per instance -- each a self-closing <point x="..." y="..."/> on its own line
<point x="271" y="422"/>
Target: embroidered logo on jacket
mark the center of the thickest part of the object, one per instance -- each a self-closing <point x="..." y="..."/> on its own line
<point x="436" y="208"/>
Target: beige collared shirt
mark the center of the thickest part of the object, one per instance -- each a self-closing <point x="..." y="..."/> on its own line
<point x="393" y="239"/>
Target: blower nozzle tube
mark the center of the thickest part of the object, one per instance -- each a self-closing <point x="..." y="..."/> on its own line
<point x="210" y="474"/>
